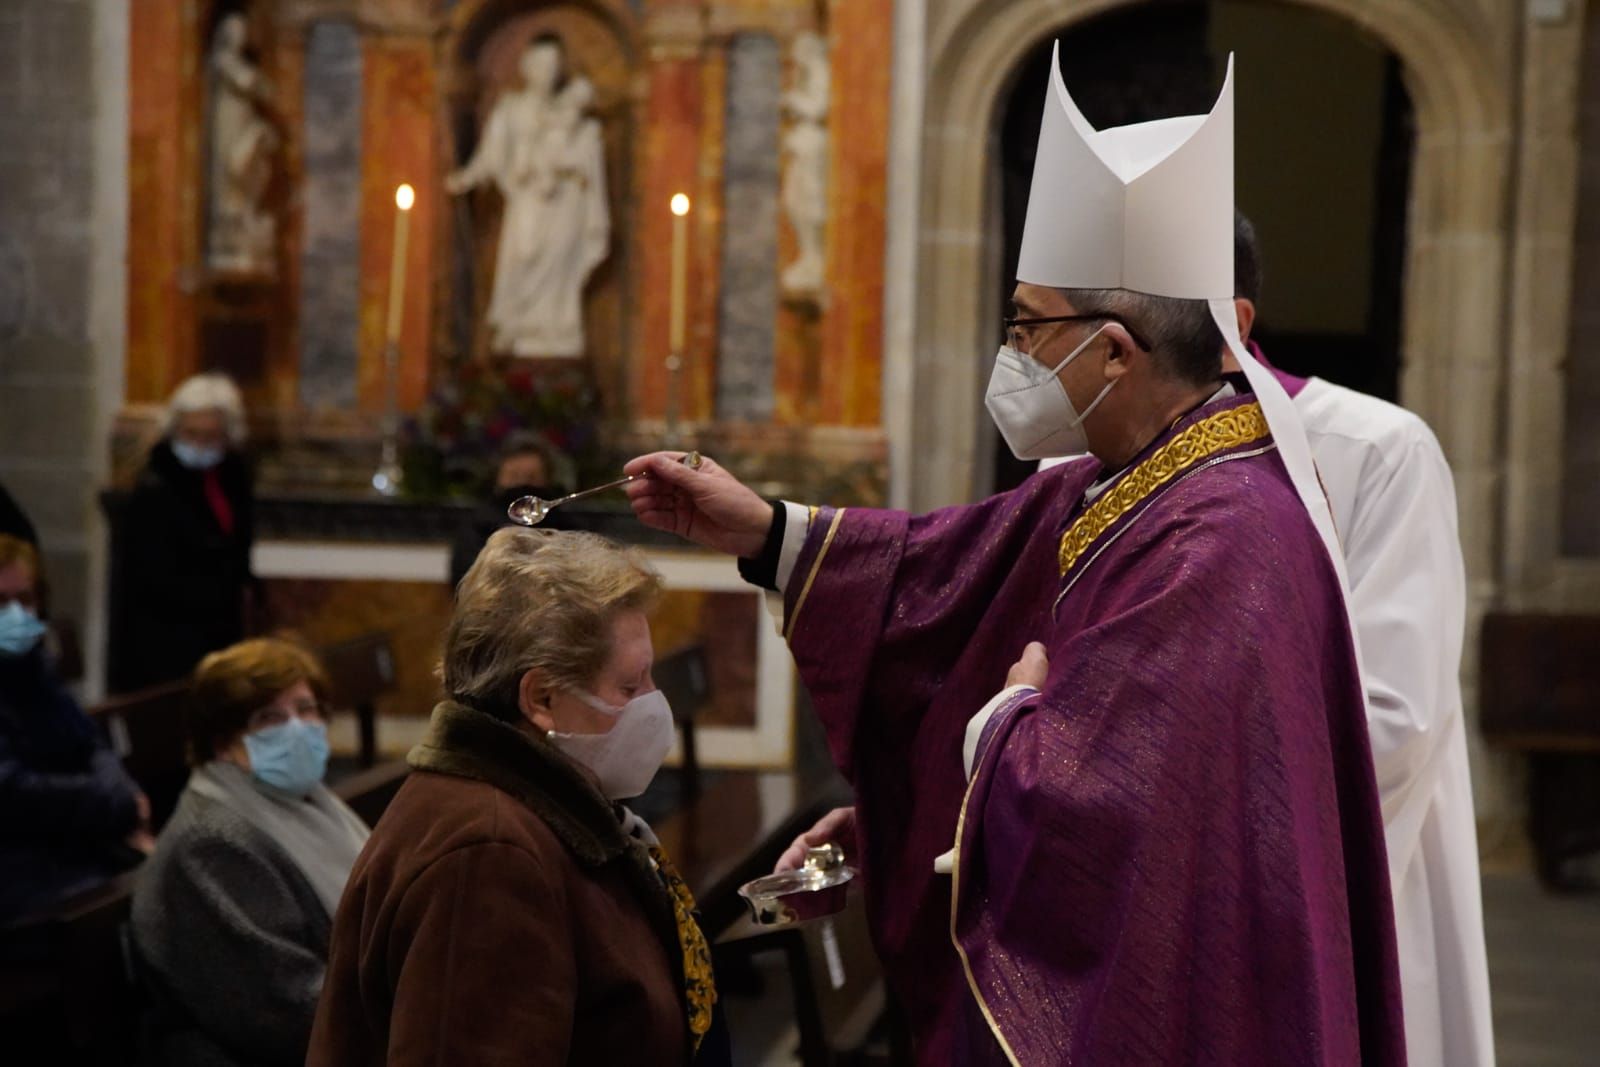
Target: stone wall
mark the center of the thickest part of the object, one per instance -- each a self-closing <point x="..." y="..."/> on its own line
<point x="1581" y="503"/>
<point x="56" y="127"/>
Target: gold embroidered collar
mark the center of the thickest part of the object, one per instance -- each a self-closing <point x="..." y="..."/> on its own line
<point x="1226" y="429"/>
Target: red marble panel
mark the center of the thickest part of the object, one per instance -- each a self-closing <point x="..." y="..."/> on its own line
<point x="399" y="143"/>
<point x="861" y="42"/>
<point x="164" y="94"/>
<point x="669" y="163"/>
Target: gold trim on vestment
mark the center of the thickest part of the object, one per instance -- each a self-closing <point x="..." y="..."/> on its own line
<point x="1226" y="429"/>
<point x="816" y="565"/>
<point x="955" y="939"/>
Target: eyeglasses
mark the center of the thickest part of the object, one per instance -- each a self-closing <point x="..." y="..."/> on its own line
<point x="1018" y="336"/>
<point x="276" y="715"/>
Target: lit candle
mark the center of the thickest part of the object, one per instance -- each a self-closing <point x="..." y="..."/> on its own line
<point x="404" y="198"/>
<point x="680" y="269"/>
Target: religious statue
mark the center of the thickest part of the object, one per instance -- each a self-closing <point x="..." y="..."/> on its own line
<point x="543" y="150"/>
<point x="805" y="174"/>
<point x="242" y="232"/>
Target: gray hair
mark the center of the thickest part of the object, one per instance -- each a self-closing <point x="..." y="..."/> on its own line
<point x="1185" y="343"/>
<point x="539" y="600"/>
<point x="208" y="392"/>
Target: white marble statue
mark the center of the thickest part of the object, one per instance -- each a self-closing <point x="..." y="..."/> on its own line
<point x="242" y="232"/>
<point x="805" y="172"/>
<point x="544" y="152"/>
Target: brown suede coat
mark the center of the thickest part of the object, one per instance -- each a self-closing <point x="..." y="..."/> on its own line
<point x="499" y="915"/>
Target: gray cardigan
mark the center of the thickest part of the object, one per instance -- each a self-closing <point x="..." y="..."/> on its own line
<point x="232" y="940"/>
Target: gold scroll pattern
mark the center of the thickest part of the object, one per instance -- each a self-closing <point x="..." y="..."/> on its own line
<point x="1226" y="429"/>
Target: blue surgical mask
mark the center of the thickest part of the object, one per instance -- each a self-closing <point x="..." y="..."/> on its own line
<point x="196" y="457"/>
<point x="291" y="756"/>
<point x="20" y="630"/>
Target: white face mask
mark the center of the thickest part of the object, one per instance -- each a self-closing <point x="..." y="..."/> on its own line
<point x="1031" y="407"/>
<point x="627" y="757"/>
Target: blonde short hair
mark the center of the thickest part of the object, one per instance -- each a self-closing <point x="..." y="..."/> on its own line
<point x="207" y="392"/>
<point x="539" y="600"/>
<point x="16" y="550"/>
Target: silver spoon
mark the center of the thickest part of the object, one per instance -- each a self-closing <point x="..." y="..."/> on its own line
<point x="531" y="510"/>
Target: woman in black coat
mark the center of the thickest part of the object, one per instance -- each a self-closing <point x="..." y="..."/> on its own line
<point x="184" y="580"/>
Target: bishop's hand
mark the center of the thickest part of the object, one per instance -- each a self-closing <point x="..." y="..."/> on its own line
<point x="1032" y="669"/>
<point x="708" y="506"/>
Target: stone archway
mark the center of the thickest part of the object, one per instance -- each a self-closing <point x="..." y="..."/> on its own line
<point x="1458" y="74"/>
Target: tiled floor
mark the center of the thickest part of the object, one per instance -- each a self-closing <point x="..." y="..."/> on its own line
<point x="1544" y="962"/>
<point x="1544" y="973"/>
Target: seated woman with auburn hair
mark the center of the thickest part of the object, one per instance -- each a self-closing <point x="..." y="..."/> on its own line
<point x="507" y="909"/>
<point x="232" y="916"/>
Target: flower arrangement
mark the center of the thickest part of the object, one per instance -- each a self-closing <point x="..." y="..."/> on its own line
<point x="450" y="446"/>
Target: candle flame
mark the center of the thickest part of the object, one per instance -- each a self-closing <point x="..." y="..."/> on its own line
<point x="680" y="204"/>
<point x="404" y="197"/>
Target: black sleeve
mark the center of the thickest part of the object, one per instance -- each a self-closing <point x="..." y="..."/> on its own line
<point x="762" y="569"/>
<point x="97" y="802"/>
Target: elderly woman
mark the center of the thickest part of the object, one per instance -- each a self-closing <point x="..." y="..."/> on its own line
<point x="183" y="560"/>
<point x="70" y="817"/>
<point x="508" y="909"/>
<point x="232" y="916"/>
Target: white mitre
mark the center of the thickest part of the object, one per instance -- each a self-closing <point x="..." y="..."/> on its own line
<point x="1149" y="207"/>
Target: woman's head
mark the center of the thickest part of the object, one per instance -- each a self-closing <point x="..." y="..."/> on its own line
<point x="19" y="573"/>
<point x="545" y="619"/>
<point x="204" y="418"/>
<point x="20" y="628"/>
<point x="249" y="690"/>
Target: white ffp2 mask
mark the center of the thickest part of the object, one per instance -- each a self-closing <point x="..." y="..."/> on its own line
<point x="1031" y="407"/>
<point x="626" y="757"/>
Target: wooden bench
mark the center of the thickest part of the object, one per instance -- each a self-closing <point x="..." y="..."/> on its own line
<point x="1539" y="693"/>
<point x="65" y="981"/>
<point x="360" y="671"/>
<point x="685" y="679"/>
<point x="147" y="730"/>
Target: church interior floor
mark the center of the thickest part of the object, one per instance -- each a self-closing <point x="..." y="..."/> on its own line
<point x="1544" y="972"/>
<point x="1544" y="964"/>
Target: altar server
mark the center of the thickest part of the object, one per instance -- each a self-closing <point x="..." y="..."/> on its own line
<point x="1172" y="851"/>
<point x="1394" y="501"/>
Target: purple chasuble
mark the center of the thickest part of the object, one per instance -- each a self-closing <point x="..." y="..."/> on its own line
<point x="1172" y="855"/>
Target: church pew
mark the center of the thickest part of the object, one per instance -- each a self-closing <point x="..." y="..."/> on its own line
<point x="360" y="671"/>
<point x="64" y="973"/>
<point x="369" y="791"/>
<point x="147" y="730"/>
<point x="685" y="679"/>
<point x="1540" y="694"/>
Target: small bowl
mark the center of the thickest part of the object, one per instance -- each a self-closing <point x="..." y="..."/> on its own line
<point x="815" y="891"/>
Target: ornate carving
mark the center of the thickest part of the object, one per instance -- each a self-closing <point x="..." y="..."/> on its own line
<point x="805" y="173"/>
<point x="242" y="234"/>
<point x="544" y="152"/>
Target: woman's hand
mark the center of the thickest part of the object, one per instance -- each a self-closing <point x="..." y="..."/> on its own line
<point x="708" y="506"/>
<point x="838" y="826"/>
<point x="1031" y="669"/>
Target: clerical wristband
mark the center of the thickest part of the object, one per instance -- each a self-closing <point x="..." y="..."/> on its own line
<point x="762" y="568"/>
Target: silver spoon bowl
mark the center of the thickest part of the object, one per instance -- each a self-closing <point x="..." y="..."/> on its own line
<point x="531" y="510"/>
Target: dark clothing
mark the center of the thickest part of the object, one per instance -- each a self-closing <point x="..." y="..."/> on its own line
<point x="500" y="915"/>
<point x="181" y="578"/>
<point x="232" y="940"/>
<point x="66" y="804"/>
<point x="489" y="517"/>
<point x="14" y="521"/>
